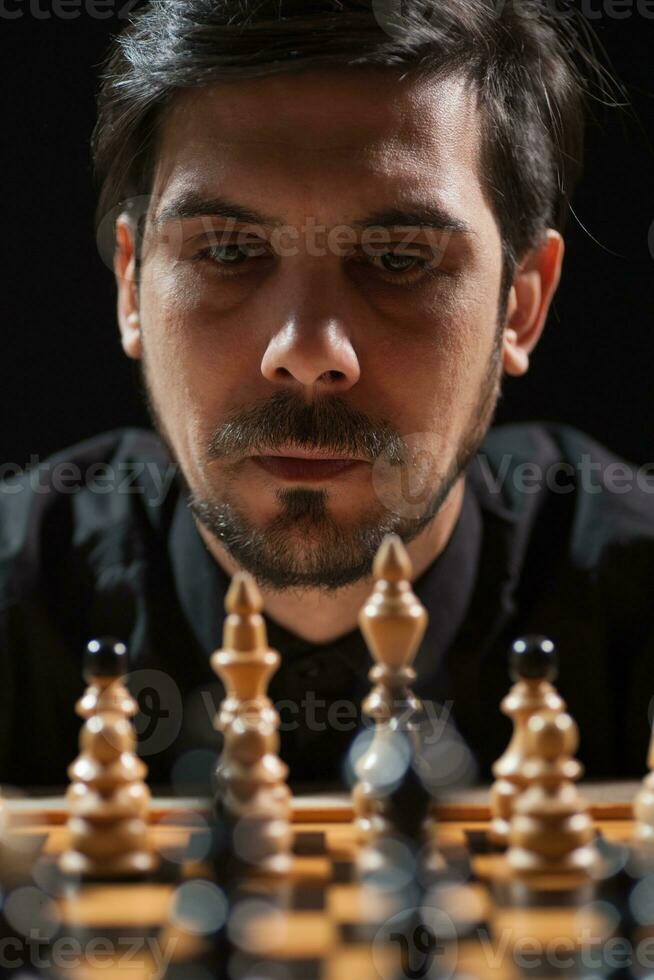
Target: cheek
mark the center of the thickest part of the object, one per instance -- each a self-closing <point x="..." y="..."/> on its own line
<point x="448" y="338"/>
<point x="185" y="380"/>
<point x="467" y="321"/>
<point x="435" y="360"/>
<point x="204" y="365"/>
<point x="196" y="348"/>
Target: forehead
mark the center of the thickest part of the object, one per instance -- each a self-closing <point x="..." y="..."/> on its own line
<point x="308" y="134"/>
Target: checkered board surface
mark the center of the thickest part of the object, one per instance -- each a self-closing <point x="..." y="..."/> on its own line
<point x="321" y="922"/>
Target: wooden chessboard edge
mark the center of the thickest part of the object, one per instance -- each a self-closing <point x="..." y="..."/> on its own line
<point x="339" y="809"/>
<point x="53" y="810"/>
<point x="323" y="808"/>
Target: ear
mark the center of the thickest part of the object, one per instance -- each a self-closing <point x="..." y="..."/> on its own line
<point x="125" y="271"/>
<point x="534" y="284"/>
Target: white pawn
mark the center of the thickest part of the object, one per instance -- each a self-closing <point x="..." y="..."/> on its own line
<point x="533" y="667"/>
<point x="551" y="830"/>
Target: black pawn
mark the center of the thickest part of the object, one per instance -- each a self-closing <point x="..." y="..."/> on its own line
<point x="533" y="658"/>
<point x="105" y="657"/>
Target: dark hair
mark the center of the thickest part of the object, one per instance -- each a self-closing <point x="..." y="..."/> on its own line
<point x="523" y="57"/>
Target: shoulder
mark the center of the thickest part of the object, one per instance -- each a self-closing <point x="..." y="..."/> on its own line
<point x="78" y="498"/>
<point x="529" y="471"/>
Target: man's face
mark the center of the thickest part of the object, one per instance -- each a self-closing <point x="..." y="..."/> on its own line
<point x="372" y="354"/>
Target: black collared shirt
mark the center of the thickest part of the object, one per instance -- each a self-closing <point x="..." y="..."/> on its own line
<point x="555" y="536"/>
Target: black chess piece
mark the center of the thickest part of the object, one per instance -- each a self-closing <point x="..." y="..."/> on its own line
<point x="105" y="657"/>
<point x="533" y="657"/>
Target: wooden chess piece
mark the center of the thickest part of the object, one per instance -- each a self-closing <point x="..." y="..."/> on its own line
<point x="643" y="807"/>
<point x="108" y="798"/>
<point x="4" y="834"/>
<point x="105" y="664"/>
<point x="251" y="778"/>
<point x="551" y="830"/>
<point x="533" y="667"/>
<point x="393" y="622"/>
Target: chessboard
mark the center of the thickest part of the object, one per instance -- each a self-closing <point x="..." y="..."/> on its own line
<point x="323" y="920"/>
<point x="404" y="877"/>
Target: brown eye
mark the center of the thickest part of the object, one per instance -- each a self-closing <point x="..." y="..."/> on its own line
<point x="397" y="262"/>
<point x="228" y="254"/>
<point x="227" y="258"/>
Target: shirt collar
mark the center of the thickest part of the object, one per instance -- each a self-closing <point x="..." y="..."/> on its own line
<point x="447" y="585"/>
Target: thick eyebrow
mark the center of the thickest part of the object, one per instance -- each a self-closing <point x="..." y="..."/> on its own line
<point x="428" y="215"/>
<point x="191" y="205"/>
<point x="194" y="206"/>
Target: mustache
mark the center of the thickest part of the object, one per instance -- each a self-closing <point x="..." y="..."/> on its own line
<point x="328" y="424"/>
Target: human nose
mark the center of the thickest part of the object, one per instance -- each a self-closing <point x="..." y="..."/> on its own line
<point x="317" y="356"/>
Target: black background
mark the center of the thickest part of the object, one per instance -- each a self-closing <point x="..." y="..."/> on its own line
<point x="64" y="374"/>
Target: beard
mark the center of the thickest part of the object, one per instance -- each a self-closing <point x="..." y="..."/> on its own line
<point x="304" y="546"/>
